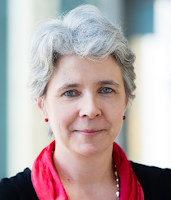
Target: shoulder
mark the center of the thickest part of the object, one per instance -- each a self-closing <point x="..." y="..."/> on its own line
<point x="156" y="182"/>
<point x="18" y="187"/>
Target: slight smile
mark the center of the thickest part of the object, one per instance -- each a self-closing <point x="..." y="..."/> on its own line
<point x="89" y="132"/>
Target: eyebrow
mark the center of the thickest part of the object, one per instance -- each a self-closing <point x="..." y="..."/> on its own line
<point x="108" y="82"/>
<point x="67" y="86"/>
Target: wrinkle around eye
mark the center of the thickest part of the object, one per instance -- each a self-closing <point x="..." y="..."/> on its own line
<point x="106" y="90"/>
<point x="70" y="93"/>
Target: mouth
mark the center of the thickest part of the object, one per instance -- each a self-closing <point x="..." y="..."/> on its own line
<point x="89" y="132"/>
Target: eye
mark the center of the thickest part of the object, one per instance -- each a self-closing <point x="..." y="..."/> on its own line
<point x="106" y="90"/>
<point x="70" y="93"/>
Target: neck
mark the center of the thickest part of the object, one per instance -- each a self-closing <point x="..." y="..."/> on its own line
<point x="83" y="170"/>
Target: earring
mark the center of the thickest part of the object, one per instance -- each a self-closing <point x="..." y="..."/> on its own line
<point x="46" y="120"/>
<point x="124" y="117"/>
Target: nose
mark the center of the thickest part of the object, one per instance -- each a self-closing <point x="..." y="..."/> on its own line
<point x="90" y="108"/>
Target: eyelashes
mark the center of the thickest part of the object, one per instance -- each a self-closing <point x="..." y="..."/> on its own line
<point x="71" y="93"/>
<point x="106" y="90"/>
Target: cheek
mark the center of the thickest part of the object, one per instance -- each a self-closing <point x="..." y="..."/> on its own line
<point x="61" y="117"/>
<point x="114" y="114"/>
<point x="115" y="108"/>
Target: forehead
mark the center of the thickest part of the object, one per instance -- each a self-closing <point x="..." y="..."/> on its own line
<point x="74" y="63"/>
<point x="72" y="69"/>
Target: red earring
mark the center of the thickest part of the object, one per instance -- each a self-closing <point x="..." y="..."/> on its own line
<point x="124" y="117"/>
<point x="46" y="120"/>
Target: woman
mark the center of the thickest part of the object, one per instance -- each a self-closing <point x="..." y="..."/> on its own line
<point x="82" y="79"/>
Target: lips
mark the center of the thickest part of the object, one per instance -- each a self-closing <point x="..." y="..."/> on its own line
<point x="89" y="132"/>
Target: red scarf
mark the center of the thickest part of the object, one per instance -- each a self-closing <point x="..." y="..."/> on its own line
<point x="47" y="184"/>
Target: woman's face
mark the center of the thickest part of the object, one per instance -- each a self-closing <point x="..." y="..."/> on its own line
<point x="85" y="104"/>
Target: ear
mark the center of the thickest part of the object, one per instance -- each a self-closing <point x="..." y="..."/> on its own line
<point x="126" y="103"/>
<point x="40" y="105"/>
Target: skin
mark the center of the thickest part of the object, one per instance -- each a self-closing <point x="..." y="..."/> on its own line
<point x="85" y="103"/>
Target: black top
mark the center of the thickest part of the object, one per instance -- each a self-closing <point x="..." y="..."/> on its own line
<point x="155" y="182"/>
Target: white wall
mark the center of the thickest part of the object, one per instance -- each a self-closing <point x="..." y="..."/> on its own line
<point x="152" y="109"/>
<point x="27" y="132"/>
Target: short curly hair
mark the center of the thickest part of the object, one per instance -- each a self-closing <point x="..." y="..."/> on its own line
<point x="84" y="32"/>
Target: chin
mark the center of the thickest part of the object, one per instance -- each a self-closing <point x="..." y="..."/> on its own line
<point x="90" y="150"/>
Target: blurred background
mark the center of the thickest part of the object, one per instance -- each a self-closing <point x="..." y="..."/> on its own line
<point x="146" y="133"/>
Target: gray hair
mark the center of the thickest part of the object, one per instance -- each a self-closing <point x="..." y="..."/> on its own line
<point x="84" y="32"/>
